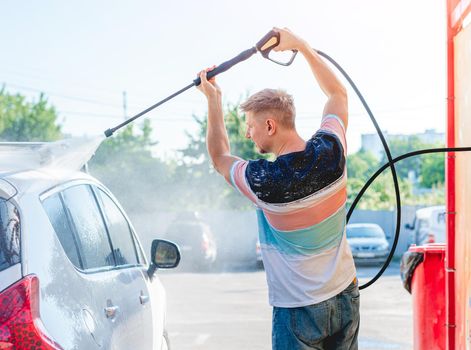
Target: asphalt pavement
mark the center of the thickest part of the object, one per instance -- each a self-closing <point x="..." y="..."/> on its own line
<point x="230" y="311"/>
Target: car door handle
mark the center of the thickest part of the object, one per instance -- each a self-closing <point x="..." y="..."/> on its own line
<point x="110" y="311"/>
<point x="143" y="298"/>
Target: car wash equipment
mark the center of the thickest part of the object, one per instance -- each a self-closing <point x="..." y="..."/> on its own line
<point x="423" y="275"/>
<point x="265" y="46"/>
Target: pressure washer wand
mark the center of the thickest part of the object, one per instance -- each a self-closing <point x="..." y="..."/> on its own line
<point x="219" y="69"/>
<point x="264" y="46"/>
<point x="110" y="131"/>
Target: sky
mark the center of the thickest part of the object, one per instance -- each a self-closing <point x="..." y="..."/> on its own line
<point x="84" y="55"/>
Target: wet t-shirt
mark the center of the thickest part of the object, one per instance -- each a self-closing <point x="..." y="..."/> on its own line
<point x="300" y="199"/>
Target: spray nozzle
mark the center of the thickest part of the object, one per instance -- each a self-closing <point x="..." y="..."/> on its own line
<point x="108" y="132"/>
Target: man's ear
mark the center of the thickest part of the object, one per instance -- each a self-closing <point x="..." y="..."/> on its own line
<point x="271" y="126"/>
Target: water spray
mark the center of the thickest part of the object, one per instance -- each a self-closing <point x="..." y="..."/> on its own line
<point x="265" y="47"/>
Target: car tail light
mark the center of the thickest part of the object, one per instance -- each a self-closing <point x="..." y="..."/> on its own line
<point x="431" y="238"/>
<point x="20" y="325"/>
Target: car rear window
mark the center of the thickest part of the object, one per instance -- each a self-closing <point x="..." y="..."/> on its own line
<point x="91" y="228"/>
<point x="120" y="233"/>
<point x="58" y="217"/>
<point x="93" y="239"/>
<point x="9" y="235"/>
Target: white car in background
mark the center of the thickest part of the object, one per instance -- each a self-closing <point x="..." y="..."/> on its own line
<point x="429" y="226"/>
<point x="367" y="242"/>
<point x="73" y="274"/>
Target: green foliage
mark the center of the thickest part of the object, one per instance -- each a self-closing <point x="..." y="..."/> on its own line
<point x="433" y="170"/>
<point x="361" y="165"/>
<point x="196" y="151"/>
<point x="429" y="168"/>
<point x="127" y="144"/>
<point x="209" y="189"/>
<point x="399" y="147"/>
<point x="380" y="195"/>
<point x="21" y="120"/>
<point x="125" y="164"/>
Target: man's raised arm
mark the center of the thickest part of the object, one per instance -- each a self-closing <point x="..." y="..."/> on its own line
<point x="337" y="102"/>
<point x="217" y="140"/>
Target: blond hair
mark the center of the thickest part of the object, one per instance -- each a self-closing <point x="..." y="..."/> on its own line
<point x="274" y="101"/>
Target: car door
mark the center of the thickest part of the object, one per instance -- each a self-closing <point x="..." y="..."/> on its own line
<point x="132" y="295"/>
<point x="96" y="261"/>
<point x="117" y="312"/>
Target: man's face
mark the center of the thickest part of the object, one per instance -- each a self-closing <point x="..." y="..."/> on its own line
<point x="257" y="131"/>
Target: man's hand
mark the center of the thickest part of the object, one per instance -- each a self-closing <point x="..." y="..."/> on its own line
<point x="288" y="40"/>
<point x="209" y="87"/>
<point x="336" y="93"/>
<point x="216" y="135"/>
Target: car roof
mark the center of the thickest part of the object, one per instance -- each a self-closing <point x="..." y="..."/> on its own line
<point x="428" y="211"/>
<point x="38" y="166"/>
<point x="41" y="180"/>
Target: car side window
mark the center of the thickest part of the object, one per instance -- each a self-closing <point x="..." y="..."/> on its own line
<point x="95" y="248"/>
<point x="120" y="233"/>
<point x="9" y="235"/>
<point x="58" y="217"/>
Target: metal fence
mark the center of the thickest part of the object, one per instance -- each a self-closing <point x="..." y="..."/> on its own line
<point x="236" y="232"/>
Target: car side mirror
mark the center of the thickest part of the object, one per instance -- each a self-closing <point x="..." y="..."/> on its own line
<point x="164" y="255"/>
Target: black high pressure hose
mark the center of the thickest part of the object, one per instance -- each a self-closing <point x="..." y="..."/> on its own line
<point x="389" y="164"/>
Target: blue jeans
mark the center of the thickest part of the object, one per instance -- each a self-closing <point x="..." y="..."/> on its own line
<point x="331" y="324"/>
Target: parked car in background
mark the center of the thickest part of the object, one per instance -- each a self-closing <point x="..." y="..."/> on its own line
<point x="195" y="240"/>
<point x="429" y="226"/>
<point x="367" y="242"/>
<point x="73" y="274"/>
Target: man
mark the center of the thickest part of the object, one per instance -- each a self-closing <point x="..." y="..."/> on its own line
<point x="300" y="199"/>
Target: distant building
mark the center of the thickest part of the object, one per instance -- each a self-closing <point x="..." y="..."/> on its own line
<point x="372" y="143"/>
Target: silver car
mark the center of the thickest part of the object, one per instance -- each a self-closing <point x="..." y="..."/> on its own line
<point x="367" y="242"/>
<point x="73" y="274"/>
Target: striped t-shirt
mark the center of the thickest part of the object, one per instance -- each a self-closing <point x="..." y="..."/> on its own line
<point x="300" y="199"/>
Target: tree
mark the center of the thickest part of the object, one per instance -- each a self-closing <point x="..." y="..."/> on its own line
<point x="125" y="164"/>
<point x="401" y="146"/>
<point x="235" y="124"/>
<point x="21" y="120"/>
<point x="209" y="189"/>
<point x="380" y="195"/>
<point x="429" y="169"/>
<point x="433" y="170"/>
<point x="361" y="165"/>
